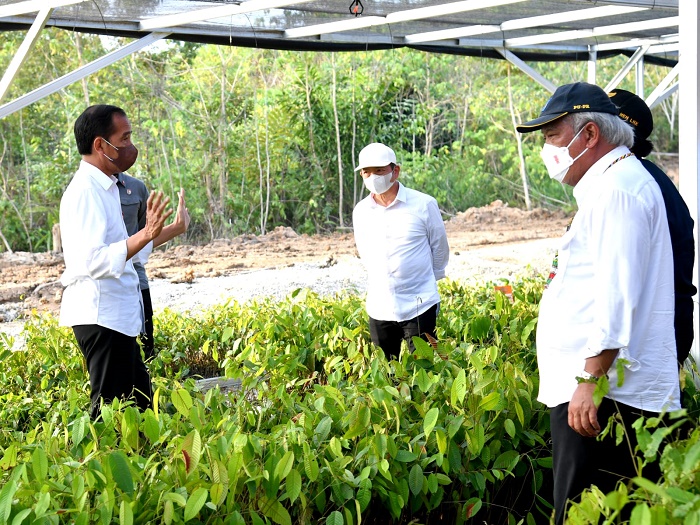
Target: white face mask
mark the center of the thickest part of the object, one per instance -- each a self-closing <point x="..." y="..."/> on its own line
<point x="558" y="160"/>
<point x="379" y="184"/>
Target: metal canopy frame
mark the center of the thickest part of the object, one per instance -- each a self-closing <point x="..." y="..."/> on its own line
<point x="520" y="31"/>
<point x="647" y="31"/>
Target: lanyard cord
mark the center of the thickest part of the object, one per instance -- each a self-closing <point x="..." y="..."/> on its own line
<point x="618" y="160"/>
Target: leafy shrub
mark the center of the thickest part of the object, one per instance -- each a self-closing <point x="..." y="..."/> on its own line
<point x="323" y="429"/>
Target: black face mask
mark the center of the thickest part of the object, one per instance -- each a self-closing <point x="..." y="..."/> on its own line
<point x="127" y="156"/>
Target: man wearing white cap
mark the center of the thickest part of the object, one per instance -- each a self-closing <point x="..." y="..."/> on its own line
<point x="402" y="242"/>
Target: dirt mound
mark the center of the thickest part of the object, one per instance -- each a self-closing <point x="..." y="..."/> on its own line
<point x="31" y="280"/>
<point x="500" y="215"/>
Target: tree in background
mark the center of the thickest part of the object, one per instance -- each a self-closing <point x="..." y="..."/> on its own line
<point x="265" y="138"/>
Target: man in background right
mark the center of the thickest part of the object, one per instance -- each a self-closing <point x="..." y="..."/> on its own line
<point x="680" y="224"/>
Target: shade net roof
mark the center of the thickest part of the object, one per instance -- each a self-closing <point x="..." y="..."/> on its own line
<point x="533" y="30"/>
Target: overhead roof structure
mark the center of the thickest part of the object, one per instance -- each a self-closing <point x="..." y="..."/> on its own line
<point x="521" y="31"/>
<point x="541" y="29"/>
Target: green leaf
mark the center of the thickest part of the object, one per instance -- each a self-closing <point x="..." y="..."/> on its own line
<point x="121" y="474"/>
<point x="480" y="327"/>
<point x="182" y="401"/>
<point x="310" y="464"/>
<point x="336" y="447"/>
<point x="471" y="507"/>
<point x="364" y="493"/>
<point x="6" y="495"/>
<point x="441" y="439"/>
<point x="510" y="427"/>
<point x="459" y="388"/>
<point x="415" y="479"/>
<point x="454" y="426"/>
<point x="217" y="493"/>
<point x="422" y="380"/>
<point x="274" y="510"/>
<point x="168" y="512"/>
<point x="175" y="498"/>
<point x="19" y="518"/>
<point x="335" y="518"/>
<point x="507" y="460"/>
<point x="475" y="439"/>
<point x="442" y="479"/>
<point x="195" y="503"/>
<point x="79" y="430"/>
<point x="527" y="330"/>
<point x="151" y="427"/>
<point x="285" y="465"/>
<point x="650" y="486"/>
<point x="641" y="514"/>
<point x="192" y="450"/>
<point x="423" y="350"/>
<point x="293" y="485"/>
<point x="430" y="420"/>
<point x="519" y="412"/>
<point x="40" y="464"/>
<point x="602" y="387"/>
<point x="323" y="428"/>
<point x="42" y="504"/>
<point x="406" y="456"/>
<point x="491" y="401"/>
<point x="126" y="514"/>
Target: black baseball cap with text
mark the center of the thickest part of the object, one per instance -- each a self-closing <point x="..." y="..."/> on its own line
<point x="571" y="98"/>
<point x="633" y="109"/>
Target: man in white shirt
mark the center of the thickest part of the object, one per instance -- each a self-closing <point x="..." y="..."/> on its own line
<point x="102" y="300"/>
<point x="608" y="310"/>
<point x="401" y="239"/>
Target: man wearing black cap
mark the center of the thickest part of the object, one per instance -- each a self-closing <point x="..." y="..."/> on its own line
<point x="635" y="111"/>
<point x="606" y="316"/>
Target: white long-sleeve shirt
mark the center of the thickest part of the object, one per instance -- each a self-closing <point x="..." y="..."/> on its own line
<point x="613" y="290"/>
<point x="404" y="249"/>
<point x="102" y="287"/>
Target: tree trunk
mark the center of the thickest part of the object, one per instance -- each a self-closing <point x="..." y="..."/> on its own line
<point x="519" y="140"/>
<point x="337" y="141"/>
<point x="81" y="61"/>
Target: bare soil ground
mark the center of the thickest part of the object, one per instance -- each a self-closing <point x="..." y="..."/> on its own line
<point x="31" y="280"/>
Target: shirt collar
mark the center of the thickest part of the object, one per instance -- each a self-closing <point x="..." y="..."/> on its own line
<point x="590" y="178"/>
<point x="97" y="174"/>
<point x="400" y="196"/>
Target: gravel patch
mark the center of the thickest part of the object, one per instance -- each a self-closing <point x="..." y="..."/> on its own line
<point x="346" y="274"/>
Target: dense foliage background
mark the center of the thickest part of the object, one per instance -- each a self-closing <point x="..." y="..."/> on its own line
<point x="263" y="138"/>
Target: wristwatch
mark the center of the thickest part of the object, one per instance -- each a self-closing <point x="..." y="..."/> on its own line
<point x="587" y="377"/>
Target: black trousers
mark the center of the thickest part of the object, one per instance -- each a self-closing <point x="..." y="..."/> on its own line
<point x="580" y="462"/>
<point x="388" y="335"/>
<point x="115" y="367"/>
<point x="147" y="334"/>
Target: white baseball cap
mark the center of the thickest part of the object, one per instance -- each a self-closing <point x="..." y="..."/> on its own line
<point x="376" y="155"/>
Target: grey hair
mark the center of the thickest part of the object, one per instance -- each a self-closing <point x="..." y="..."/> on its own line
<point x="612" y="128"/>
